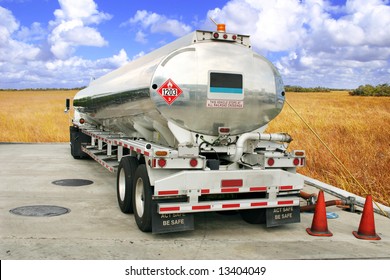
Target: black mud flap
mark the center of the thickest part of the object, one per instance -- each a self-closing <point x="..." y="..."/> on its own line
<point x="283" y="215"/>
<point x="76" y="140"/>
<point x="166" y="223"/>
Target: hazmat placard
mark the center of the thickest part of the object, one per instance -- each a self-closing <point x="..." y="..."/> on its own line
<point x="169" y="91"/>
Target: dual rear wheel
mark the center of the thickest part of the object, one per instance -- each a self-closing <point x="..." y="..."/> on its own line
<point x="134" y="195"/>
<point x="134" y="192"/>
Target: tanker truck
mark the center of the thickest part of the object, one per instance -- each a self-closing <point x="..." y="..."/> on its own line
<point x="183" y="129"/>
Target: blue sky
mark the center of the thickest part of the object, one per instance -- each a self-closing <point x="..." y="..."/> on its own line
<point x="64" y="43"/>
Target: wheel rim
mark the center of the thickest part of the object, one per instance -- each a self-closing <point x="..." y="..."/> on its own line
<point x="122" y="185"/>
<point x="139" y="197"/>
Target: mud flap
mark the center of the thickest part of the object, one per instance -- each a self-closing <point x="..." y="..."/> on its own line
<point x="76" y="140"/>
<point x="283" y="215"/>
<point x="166" y="223"/>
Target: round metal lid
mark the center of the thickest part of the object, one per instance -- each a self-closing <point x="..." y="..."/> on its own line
<point x="72" y="182"/>
<point x="40" y="210"/>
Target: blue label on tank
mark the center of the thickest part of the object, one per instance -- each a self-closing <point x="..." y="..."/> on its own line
<point x="226" y="90"/>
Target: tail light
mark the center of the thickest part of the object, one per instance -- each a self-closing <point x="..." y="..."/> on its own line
<point x="270" y="162"/>
<point x="224" y="130"/>
<point x="161" y="153"/>
<point x="193" y="162"/>
<point x="299" y="153"/>
<point x="161" y="162"/>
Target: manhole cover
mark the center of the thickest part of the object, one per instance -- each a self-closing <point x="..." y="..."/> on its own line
<point x="72" y="182"/>
<point x="40" y="210"/>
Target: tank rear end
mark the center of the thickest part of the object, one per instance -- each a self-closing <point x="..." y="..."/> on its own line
<point x="223" y="83"/>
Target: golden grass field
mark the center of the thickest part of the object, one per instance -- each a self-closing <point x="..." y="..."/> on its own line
<point x="357" y="129"/>
<point x="34" y="116"/>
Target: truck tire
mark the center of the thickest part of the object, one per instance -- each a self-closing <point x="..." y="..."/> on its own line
<point x="254" y="216"/>
<point x="142" y="199"/>
<point x="124" y="183"/>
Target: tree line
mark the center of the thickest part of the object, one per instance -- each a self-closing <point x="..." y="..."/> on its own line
<point x="306" y="89"/>
<point x="369" y="90"/>
<point x="363" y="90"/>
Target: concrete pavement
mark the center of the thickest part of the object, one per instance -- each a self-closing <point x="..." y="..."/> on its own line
<point x="95" y="228"/>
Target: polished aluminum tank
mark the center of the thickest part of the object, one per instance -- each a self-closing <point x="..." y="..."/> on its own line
<point x="201" y="82"/>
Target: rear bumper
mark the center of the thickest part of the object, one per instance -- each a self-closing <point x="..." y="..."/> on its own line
<point x="279" y="189"/>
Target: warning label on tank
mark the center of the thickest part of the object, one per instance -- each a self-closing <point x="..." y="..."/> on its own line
<point x="169" y="91"/>
<point x="219" y="103"/>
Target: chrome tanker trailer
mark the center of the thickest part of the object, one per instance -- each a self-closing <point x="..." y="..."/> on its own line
<point x="183" y="127"/>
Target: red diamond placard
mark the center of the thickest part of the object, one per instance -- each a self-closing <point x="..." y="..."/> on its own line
<point x="169" y="91"/>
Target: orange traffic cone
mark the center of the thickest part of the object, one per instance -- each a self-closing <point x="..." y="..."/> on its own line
<point x="319" y="226"/>
<point x="367" y="224"/>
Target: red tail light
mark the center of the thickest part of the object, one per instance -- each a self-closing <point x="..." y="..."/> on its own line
<point x="193" y="162"/>
<point x="224" y="130"/>
<point x="271" y="162"/>
<point x="162" y="162"/>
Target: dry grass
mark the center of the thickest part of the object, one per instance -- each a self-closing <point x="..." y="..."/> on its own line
<point x="357" y="130"/>
<point x="34" y="116"/>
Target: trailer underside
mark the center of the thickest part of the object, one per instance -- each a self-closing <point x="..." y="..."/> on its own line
<point x="163" y="188"/>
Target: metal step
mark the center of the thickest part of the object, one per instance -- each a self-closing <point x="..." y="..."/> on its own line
<point x="108" y="162"/>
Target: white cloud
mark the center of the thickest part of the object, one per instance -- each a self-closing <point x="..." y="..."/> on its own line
<point x="76" y="66"/>
<point x="34" y="33"/>
<point x="84" y="10"/>
<point x="156" y="23"/>
<point x="72" y="72"/>
<point x="273" y="25"/>
<point x="24" y="59"/>
<point x="71" y="27"/>
<point x="314" y="46"/>
<point x="8" y="23"/>
<point x="11" y="50"/>
<point x="374" y="17"/>
<point x="140" y="37"/>
<point x="138" y="55"/>
<point x="117" y="60"/>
